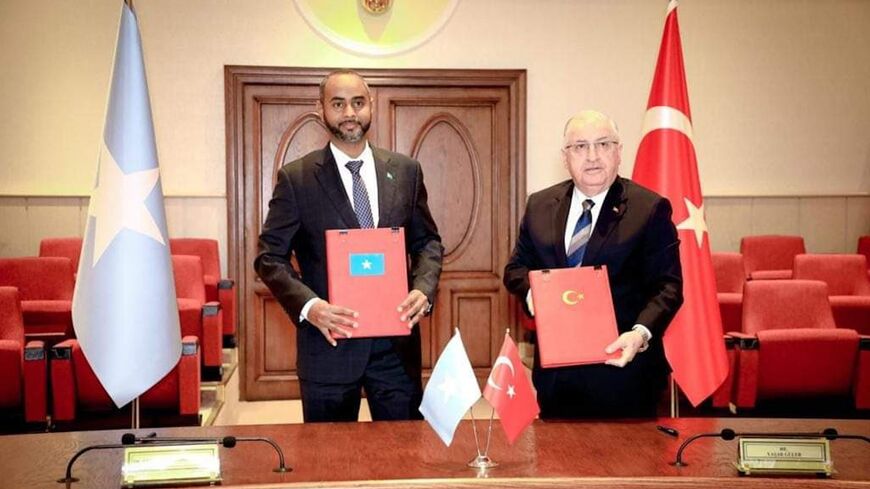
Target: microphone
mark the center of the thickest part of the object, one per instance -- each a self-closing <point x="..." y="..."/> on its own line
<point x="227" y="441"/>
<point x="68" y="478"/>
<point x="152" y="438"/>
<point x="728" y="434"/>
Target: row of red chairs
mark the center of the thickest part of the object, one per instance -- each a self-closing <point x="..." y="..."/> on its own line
<point x="46" y="287"/>
<point x="845" y="275"/>
<point x="770" y="257"/>
<point x="789" y="347"/>
<point x="31" y="381"/>
<point x="217" y="289"/>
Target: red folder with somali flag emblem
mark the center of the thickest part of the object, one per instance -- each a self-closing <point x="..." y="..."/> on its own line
<point x="367" y="271"/>
<point x="574" y="315"/>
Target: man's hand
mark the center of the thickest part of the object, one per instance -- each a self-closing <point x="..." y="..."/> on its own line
<point x="630" y="343"/>
<point x="413" y="307"/>
<point x="327" y="317"/>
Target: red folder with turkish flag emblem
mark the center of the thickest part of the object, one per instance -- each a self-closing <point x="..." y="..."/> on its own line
<point x="367" y="271"/>
<point x="574" y="315"/>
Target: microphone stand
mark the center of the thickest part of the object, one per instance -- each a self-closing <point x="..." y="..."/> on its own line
<point x="68" y="478"/>
<point x="729" y="434"/>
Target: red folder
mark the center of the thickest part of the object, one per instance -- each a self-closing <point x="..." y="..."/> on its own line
<point x="367" y="271"/>
<point x="574" y="315"/>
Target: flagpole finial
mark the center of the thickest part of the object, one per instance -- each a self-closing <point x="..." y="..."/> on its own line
<point x="672" y="4"/>
<point x="507" y="331"/>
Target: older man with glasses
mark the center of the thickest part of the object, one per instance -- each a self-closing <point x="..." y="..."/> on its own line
<point x="598" y="218"/>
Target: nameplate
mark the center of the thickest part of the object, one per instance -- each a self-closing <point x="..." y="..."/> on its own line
<point x="150" y="465"/>
<point x="784" y="456"/>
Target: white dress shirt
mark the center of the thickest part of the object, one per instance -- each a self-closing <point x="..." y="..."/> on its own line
<point x="370" y="180"/>
<point x="366" y="172"/>
<point x="574" y="212"/>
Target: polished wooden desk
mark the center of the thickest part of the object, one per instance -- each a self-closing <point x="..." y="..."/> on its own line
<point x="409" y="454"/>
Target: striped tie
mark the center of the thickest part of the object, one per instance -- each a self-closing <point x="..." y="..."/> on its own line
<point x="361" y="205"/>
<point x="582" y="232"/>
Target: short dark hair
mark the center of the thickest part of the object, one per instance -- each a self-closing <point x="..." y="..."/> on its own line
<point x="341" y="72"/>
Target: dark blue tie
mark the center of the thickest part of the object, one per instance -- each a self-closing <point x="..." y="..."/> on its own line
<point x="361" y="205"/>
<point x="580" y="238"/>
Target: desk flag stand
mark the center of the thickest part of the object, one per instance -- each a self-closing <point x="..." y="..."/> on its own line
<point x="482" y="462"/>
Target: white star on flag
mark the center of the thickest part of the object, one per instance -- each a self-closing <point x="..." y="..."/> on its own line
<point x="695" y="222"/>
<point x="124" y="309"/>
<point x="118" y="202"/>
<point x="449" y="388"/>
<point x="367" y="265"/>
<point x="511" y="392"/>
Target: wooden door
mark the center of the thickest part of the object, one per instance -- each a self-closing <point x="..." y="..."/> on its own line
<point x="467" y="130"/>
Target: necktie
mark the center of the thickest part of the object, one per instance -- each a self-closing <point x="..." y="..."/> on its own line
<point x="361" y="205"/>
<point x="582" y="232"/>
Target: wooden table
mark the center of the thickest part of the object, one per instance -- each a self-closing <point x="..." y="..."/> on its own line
<point x="409" y="454"/>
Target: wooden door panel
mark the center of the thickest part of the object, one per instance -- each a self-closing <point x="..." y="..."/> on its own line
<point x="452" y="132"/>
<point x="465" y="127"/>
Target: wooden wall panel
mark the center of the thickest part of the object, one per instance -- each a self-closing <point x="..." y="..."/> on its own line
<point x="466" y="127"/>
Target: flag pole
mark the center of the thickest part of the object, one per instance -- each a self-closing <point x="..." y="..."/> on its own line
<point x="135" y="409"/>
<point x="474" y="427"/>
<point x="675" y="398"/>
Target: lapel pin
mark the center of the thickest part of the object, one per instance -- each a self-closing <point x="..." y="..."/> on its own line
<point x="616" y="209"/>
<point x="389" y="175"/>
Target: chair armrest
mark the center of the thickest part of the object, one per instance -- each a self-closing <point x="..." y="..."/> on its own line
<point x="212" y="334"/>
<point x="189" y="377"/>
<point x="723" y="396"/>
<point x="227" y="298"/>
<point x="861" y="386"/>
<point x="63" y="389"/>
<point x="35" y="382"/>
<point x="744" y="341"/>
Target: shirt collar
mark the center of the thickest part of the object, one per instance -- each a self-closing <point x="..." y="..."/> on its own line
<point x="597" y="198"/>
<point x="341" y="158"/>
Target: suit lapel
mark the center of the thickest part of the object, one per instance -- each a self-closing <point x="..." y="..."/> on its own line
<point x="385" y="169"/>
<point x="561" y="206"/>
<point x="612" y="211"/>
<point x="327" y="175"/>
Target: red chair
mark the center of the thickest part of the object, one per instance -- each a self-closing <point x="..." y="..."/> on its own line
<point x="23" y="384"/>
<point x="79" y="400"/>
<point x="770" y="257"/>
<point x="864" y="249"/>
<point x="45" y="286"/>
<point x="790" y="347"/>
<point x="62" y="247"/>
<point x="216" y="288"/>
<point x="848" y="286"/>
<point x="730" y="278"/>
<point x="198" y="317"/>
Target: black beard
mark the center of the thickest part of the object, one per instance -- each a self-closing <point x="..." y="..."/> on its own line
<point x="349" y="138"/>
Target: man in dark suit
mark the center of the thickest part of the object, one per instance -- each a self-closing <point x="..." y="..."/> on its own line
<point x="598" y="218"/>
<point x="349" y="184"/>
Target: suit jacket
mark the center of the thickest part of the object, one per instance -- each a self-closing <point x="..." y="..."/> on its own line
<point x="634" y="236"/>
<point x="309" y="199"/>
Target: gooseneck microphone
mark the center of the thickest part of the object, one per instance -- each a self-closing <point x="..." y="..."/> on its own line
<point x="68" y="478"/>
<point x="227" y="441"/>
<point x="728" y="434"/>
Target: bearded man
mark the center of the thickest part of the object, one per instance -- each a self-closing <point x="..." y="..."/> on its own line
<point x="349" y="184"/>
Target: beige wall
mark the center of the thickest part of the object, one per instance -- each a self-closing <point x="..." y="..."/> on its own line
<point x="779" y="92"/>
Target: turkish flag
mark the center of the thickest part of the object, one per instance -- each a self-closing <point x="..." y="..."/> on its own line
<point x="666" y="163"/>
<point x="509" y="391"/>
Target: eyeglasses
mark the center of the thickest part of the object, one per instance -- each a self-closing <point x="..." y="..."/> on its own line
<point x="582" y="147"/>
